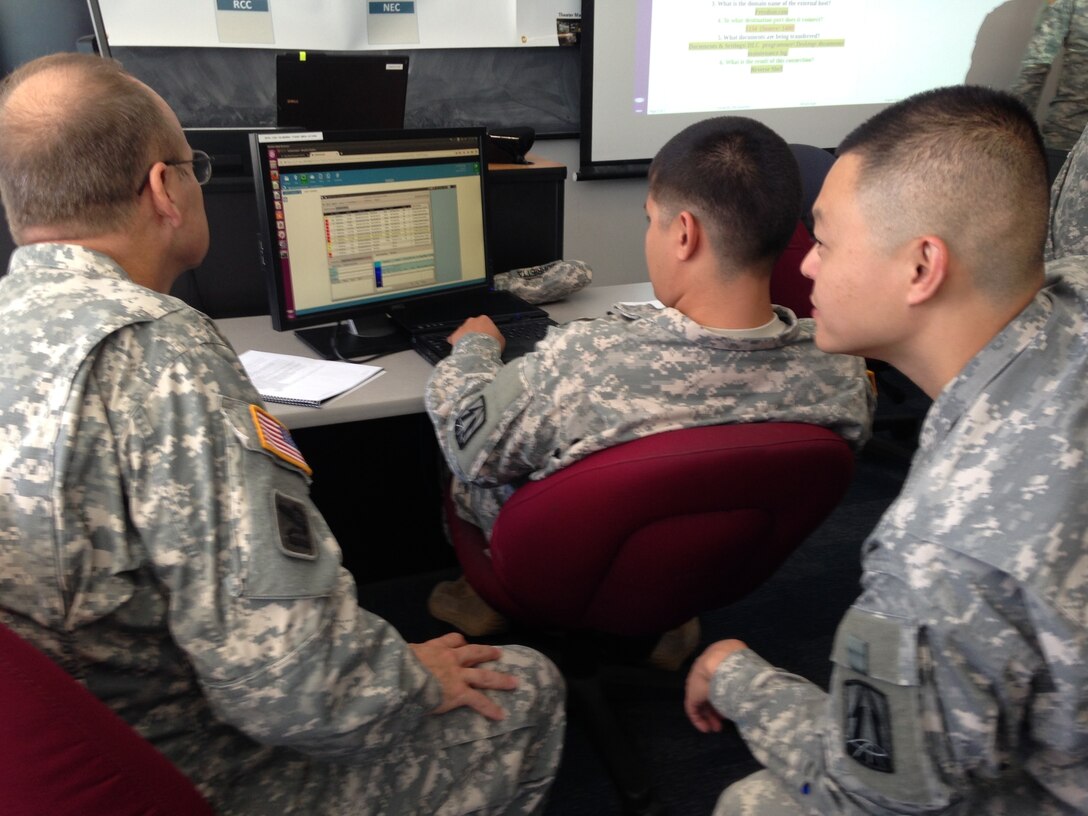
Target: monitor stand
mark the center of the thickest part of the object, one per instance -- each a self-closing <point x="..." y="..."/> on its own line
<point x="369" y="336"/>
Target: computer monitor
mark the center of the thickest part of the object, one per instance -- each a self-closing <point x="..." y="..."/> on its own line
<point x="355" y="223"/>
<point x="340" y="91"/>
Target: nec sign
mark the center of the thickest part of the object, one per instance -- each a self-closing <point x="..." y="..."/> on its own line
<point x="392" y="8"/>
<point x="242" y="5"/>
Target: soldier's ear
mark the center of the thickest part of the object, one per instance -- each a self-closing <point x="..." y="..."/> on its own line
<point x="929" y="257"/>
<point x="161" y="197"/>
<point x="688" y="234"/>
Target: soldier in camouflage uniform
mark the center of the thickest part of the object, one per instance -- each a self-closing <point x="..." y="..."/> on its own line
<point x="960" y="675"/>
<point x="724" y="200"/>
<point x="156" y="535"/>
<point x="1062" y="29"/>
<point x="1068" y="233"/>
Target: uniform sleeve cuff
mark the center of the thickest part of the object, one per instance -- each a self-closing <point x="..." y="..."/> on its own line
<point x="733" y="679"/>
<point x="483" y="345"/>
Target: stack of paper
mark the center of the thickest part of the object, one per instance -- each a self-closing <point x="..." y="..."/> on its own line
<point x="295" y="380"/>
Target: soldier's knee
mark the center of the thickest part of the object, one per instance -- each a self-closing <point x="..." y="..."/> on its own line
<point x="759" y="793"/>
<point x="541" y="689"/>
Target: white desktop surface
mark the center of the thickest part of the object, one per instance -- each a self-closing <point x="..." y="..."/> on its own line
<point x="400" y="389"/>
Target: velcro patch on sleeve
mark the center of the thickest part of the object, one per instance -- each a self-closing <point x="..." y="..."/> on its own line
<point x="296" y="537"/>
<point x="276" y="439"/>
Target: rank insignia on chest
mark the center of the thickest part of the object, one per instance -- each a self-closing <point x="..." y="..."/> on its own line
<point x="276" y="439"/>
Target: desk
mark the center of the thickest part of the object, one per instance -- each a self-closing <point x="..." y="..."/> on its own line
<point x="378" y="472"/>
<point x="399" y="390"/>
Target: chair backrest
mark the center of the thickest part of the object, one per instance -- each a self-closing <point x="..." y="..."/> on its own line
<point x="813" y="162"/>
<point x="65" y="753"/>
<point x="640" y="537"/>
<point x="789" y="287"/>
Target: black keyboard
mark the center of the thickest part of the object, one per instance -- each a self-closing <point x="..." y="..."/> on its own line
<point x="521" y="338"/>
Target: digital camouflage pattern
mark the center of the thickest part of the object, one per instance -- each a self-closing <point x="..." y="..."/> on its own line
<point x="1069" y="205"/>
<point x="758" y="794"/>
<point x="1062" y="29"/>
<point x="546" y="283"/>
<point x="960" y="675"/>
<point x="156" y="550"/>
<point x="596" y="383"/>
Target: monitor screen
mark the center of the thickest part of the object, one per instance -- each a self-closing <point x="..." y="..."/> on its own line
<point x="354" y="222"/>
<point x="341" y="91"/>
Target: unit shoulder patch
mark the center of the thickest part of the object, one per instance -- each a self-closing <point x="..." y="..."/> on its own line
<point x="469" y="421"/>
<point x="867" y="730"/>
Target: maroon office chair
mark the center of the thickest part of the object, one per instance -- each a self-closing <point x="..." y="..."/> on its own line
<point x="63" y="752"/>
<point x="641" y="537"/>
<point x="789" y="287"/>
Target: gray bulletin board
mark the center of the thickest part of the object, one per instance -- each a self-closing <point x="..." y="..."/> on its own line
<point x="489" y="87"/>
<point x="489" y="63"/>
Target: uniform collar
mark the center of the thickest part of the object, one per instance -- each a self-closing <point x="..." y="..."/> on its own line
<point x="676" y="322"/>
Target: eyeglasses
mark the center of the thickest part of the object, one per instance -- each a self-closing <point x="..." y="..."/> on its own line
<point x="202" y="168"/>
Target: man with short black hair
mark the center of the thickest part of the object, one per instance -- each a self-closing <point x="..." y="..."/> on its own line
<point x="960" y="675"/>
<point x="724" y="200"/>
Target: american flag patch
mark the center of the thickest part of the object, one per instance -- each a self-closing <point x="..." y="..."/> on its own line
<point x="276" y="439"/>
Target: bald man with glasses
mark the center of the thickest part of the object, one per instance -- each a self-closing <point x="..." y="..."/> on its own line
<point x="157" y="539"/>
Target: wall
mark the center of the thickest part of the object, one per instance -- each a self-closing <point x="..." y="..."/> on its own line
<point x="491" y="87"/>
<point x="30" y="28"/>
<point x="604" y="221"/>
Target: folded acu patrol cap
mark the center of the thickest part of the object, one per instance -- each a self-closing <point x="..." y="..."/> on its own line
<point x="545" y="283"/>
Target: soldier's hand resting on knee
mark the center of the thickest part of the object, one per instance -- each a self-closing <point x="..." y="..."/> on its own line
<point x="454" y="661"/>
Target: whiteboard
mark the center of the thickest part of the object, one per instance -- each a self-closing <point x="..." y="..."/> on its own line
<point x="335" y="25"/>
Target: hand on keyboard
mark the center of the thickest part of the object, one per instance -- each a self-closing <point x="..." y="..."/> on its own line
<point x="482" y="324"/>
<point x="520" y="336"/>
